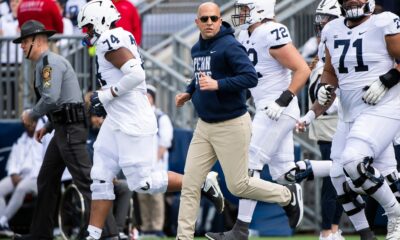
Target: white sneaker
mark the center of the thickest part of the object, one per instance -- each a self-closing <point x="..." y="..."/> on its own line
<point x="338" y="235"/>
<point x="329" y="237"/>
<point x="393" y="228"/>
<point x="212" y="191"/>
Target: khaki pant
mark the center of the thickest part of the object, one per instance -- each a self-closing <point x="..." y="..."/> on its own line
<point x="152" y="211"/>
<point x="227" y="141"/>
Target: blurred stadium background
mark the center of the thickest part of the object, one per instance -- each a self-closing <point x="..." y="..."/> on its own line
<point x="168" y="34"/>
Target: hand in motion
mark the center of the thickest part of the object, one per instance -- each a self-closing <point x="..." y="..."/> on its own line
<point x="374" y="92"/>
<point x="15" y="179"/>
<point x="26" y="119"/>
<point x="181" y="99"/>
<point x="207" y="83"/>
<point x="324" y="94"/>
<point x="40" y="133"/>
<point x="304" y="122"/>
<point x="96" y="106"/>
<point x="274" y="110"/>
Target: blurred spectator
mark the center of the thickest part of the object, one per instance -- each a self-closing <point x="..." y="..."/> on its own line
<point x="44" y="11"/>
<point x="137" y="2"/>
<point x="130" y="19"/>
<point x="152" y="207"/>
<point x="23" y="166"/>
<point x="10" y="53"/>
<point x="63" y="44"/>
<point x="121" y="204"/>
<point x="72" y="8"/>
<point x="4" y="8"/>
<point x="310" y="48"/>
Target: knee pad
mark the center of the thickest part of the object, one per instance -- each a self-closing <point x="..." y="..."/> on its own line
<point x="363" y="175"/>
<point x="304" y="172"/>
<point x="102" y="190"/>
<point x="157" y="182"/>
<point x="350" y="196"/>
<point x="288" y="178"/>
<point x="394" y="183"/>
<point x="357" y="190"/>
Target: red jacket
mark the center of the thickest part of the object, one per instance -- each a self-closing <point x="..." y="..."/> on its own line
<point x="44" y="11"/>
<point x="130" y="19"/>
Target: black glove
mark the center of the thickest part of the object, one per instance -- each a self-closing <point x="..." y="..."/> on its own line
<point x="96" y="106"/>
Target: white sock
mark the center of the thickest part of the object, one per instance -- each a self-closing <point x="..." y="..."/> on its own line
<point x="247" y="206"/>
<point x="359" y="220"/>
<point x="3" y="220"/>
<point x="321" y="168"/>
<point x="94" y="232"/>
<point x="387" y="200"/>
<point x="246" y="210"/>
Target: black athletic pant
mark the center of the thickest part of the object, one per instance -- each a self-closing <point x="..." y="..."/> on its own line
<point x="66" y="149"/>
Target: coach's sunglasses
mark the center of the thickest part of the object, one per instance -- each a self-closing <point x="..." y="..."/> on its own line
<point x="204" y="19"/>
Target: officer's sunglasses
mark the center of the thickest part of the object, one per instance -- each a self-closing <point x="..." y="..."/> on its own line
<point x="204" y="19"/>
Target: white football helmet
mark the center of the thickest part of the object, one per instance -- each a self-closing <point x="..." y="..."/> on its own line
<point x="257" y="11"/>
<point x="101" y="14"/>
<point x="327" y="10"/>
<point x="357" y="11"/>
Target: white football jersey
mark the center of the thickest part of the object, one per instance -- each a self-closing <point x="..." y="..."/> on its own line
<point x="131" y="112"/>
<point x="359" y="56"/>
<point x="273" y="78"/>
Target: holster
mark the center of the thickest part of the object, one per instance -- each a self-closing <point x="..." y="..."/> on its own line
<point x="70" y="113"/>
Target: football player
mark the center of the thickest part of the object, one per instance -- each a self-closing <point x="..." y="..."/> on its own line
<point x="270" y="48"/>
<point x="360" y="63"/>
<point x="128" y="134"/>
<point x="322" y="131"/>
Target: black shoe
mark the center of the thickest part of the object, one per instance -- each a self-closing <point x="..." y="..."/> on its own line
<point x="217" y="236"/>
<point x="84" y="235"/>
<point x="22" y="237"/>
<point x="229" y="235"/>
<point x="367" y="234"/>
<point x="212" y="191"/>
<point x="294" y="210"/>
<point x="240" y="231"/>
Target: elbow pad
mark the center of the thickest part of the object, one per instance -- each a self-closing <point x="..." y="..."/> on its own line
<point x="390" y="78"/>
<point x="133" y="76"/>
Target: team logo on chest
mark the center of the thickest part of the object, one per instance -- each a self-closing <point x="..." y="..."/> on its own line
<point x="46" y="75"/>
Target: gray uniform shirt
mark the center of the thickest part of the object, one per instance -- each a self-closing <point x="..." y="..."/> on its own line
<point x="56" y="83"/>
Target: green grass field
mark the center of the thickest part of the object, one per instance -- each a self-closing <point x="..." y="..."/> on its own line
<point x="298" y="237"/>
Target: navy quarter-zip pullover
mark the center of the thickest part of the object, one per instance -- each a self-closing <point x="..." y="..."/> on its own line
<point x="224" y="59"/>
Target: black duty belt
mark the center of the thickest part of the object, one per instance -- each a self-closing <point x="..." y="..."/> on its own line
<point x="69" y="113"/>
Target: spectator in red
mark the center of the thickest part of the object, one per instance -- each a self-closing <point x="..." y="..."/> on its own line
<point x="44" y="11"/>
<point x="130" y="19"/>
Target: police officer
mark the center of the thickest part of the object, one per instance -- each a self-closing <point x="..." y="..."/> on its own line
<point x="60" y="98"/>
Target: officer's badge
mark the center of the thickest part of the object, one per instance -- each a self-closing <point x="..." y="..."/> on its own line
<point x="46" y="75"/>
